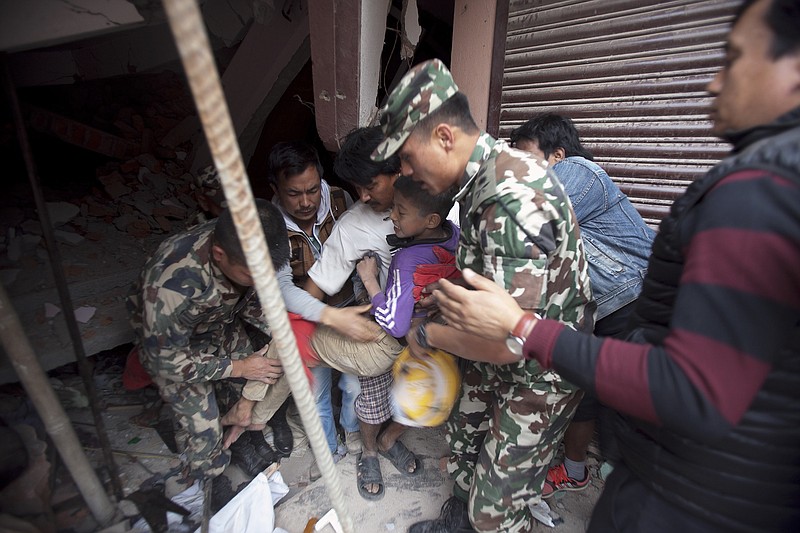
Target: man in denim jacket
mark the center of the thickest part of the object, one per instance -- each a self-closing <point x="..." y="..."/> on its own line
<point x="617" y="243"/>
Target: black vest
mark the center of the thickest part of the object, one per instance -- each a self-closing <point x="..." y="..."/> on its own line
<point x="767" y="439"/>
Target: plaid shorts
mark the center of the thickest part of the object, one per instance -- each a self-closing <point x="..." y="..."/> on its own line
<point x="372" y="404"/>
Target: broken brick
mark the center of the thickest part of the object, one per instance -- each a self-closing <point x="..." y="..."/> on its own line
<point x="170" y="211"/>
<point x="164" y="223"/>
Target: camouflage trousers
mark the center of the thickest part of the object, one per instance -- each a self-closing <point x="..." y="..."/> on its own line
<point x="503" y="433"/>
<point x="197" y="408"/>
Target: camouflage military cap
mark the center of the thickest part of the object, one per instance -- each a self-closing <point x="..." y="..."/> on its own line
<point x="207" y="178"/>
<point x="421" y="92"/>
<point x="207" y="184"/>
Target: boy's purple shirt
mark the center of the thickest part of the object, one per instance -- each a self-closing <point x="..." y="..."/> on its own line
<point x="394" y="309"/>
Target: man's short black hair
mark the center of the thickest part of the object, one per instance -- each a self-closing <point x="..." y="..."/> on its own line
<point x="454" y="111"/>
<point x="783" y="19"/>
<point x="274" y="232"/>
<point x="441" y="204"/>
<point x="551" y="132"/>
<point x="288" y="159"/>
<point x="353" y="162"/>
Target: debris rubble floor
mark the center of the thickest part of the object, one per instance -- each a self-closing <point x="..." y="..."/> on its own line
<point x="143" y="458"/>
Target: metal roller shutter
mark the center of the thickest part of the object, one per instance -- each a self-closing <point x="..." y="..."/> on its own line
<point x="632" y="75"/>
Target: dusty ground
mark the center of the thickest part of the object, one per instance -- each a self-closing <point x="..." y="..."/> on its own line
<point x="143" y="458"/>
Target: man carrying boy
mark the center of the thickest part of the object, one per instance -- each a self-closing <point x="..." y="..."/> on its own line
<point x="362" y="230"/>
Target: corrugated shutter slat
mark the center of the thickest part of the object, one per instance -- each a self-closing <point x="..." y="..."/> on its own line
<point x="632" y="75"/>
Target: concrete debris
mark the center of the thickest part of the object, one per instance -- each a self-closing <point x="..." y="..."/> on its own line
<point x="21" y="244"/>
<point x="114" y="185"/>
<point x="84" y="314"/>
<point x="14" y="248"/>
<point x="51" y="310"/>
<point x="61" y="212"/>
<point x="110" y="218"/>
<point x="67" y="237"/>
<point x="31" y="227"/>
<point x="70" y="392"/>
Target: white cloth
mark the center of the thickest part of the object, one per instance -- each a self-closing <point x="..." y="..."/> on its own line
<point x="358" y="231"/>
<point x="253" y="509"/>
<point x="250" y="511"/>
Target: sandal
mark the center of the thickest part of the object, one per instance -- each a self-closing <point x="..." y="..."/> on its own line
<point x="401" y="457"/>
<point x="368" y="473"/>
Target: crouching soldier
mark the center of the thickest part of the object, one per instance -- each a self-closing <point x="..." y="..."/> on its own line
<point x="189" y="310"/>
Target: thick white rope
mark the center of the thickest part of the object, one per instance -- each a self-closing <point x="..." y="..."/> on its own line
<point x="192" y="42"/>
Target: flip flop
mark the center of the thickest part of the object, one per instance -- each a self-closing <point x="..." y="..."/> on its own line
<point x="401" y="457"/>
<point x="369" y="472"/>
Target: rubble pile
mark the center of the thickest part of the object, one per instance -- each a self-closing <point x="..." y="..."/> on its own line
<point x="145" y="125"/>
<point x="113" y="157"/>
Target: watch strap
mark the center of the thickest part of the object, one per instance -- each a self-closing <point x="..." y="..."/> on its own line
<point x="524" y="325"/>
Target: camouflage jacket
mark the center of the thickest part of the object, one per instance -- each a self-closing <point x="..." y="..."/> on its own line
<point x="518" y="228"/>
<point x="188" y="317"/>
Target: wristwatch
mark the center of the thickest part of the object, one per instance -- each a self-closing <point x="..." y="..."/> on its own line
<point x="422" y="335"/>
<point x="516" y="338"/>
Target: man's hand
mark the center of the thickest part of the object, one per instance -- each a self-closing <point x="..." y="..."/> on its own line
<point x="257" y="367"/>
<point x="428" y="301"/>
<point x="488" y="312"/>
<point x="351" y="322"/>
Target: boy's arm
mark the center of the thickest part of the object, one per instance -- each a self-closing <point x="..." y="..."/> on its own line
<point x="369" y="271"/>
<point x="393" y="309"/>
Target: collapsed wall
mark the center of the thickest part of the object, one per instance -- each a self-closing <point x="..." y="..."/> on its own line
<point x="142" y="131"/>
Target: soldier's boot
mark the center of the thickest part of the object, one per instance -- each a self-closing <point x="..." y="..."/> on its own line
<point x="245" y="457"/>
<point x="261" y="447"/>
<point x="281" y="432"/>
<point x="453" y="518"/>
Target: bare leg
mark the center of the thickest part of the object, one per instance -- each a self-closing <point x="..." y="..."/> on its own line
<point x="577" y="439"/>
<point x="369" y="437"/>
<point x="233" y="433"/>
<point x="240" y="414"/>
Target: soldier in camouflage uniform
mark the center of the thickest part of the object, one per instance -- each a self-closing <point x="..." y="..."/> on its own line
<point x="189" y="311"/>
<point x="518" y="229"/>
